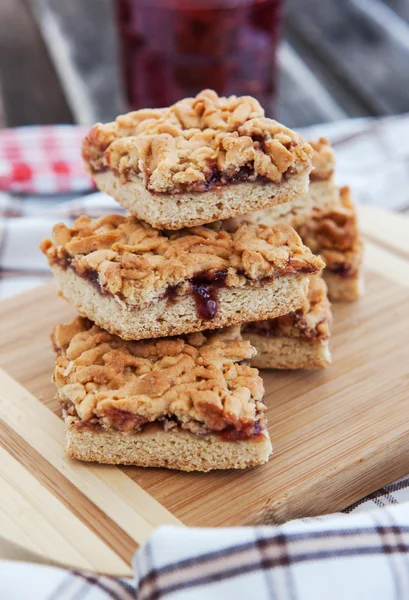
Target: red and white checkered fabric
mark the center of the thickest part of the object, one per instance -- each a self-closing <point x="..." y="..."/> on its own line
<point x="42" y="160"/>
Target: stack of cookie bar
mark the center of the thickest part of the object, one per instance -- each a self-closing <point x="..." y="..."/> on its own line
<point x="326" y="221"/>
<point x="156" y="372"/>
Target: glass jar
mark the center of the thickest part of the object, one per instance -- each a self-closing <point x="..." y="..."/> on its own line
<point x="172" y="49"/>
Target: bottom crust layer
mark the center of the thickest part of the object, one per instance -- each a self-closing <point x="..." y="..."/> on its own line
<point x="343" y="289"/>
<point x="190" y="209"/>
<point x="288" y="353"/>
<point x="162" y="318"/>
<point x="155" y="447"/>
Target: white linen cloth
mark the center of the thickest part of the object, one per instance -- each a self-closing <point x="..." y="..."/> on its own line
<point x="357" y="557"/>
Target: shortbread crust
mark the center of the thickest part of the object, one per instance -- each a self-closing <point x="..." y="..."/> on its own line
<point x="174" y="449"/>
<point x="299" y="340"/>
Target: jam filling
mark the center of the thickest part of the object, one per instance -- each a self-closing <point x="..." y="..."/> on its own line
<point x="270" y="328"/>
<point x="92" y="276"/>
<point x="63" y="262"/>
<point x="215" y="179"/>
<point x="218" y="179"/>
<point x="316" y="177"/>
<point x="131" y="423"/>
<point x="261" y="142"/>
<point x="231" y="434"/>
<point x="171" y="293"/>
<point x="205" y="288"/>
<point x="344" y="270"/>
<point x="267" y="328"/>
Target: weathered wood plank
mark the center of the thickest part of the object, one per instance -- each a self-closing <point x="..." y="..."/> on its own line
<point x="30" y="88"/>
<point x="331" y="68"/>
<point x="345" y="96"/>
<point x="83" y="37"/>
<point x="386" y="20"/>
<point x="82" y="43"/>
<point x="355" y="47"/>
<point x="401" y="7"/>
<point x="302" y="99"/>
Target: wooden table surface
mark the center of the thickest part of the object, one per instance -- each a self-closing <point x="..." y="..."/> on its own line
<point x="339" y="58"/>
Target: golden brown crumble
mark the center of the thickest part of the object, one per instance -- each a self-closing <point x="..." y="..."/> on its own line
<point x="334" y="234"/>
<point x="323" y="160"/>
<point x="345" y="263"/>
<point x="137" y="263"/>
<point x="312" y="321"/>
<point x="336" y="227"/>
<point x="195" y="143"/>
<point x="197" y="382"/>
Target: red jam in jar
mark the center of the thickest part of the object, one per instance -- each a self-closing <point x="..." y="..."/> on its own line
<point x="172" y="49"/>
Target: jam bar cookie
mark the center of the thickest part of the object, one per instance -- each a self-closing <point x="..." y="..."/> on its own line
<point x="189" y="403"/>
<point x="203" y="159"/>
<point x="139" y="282"/>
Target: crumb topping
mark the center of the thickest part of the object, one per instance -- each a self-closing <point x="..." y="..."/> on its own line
<point x="336" y="227"/>
<point x="323" y="160"/>
<point x="197" y="143"/>
<point x="198" y="381"/>
<point x="345" y="263"/>
<point x="137" y="263"/>
<point x="334" y="234"/>
<point x="312" y="321"/>
<point x="289" y="212"/>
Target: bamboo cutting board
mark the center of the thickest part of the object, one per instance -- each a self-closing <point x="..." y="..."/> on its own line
<point x="338" y="434"/>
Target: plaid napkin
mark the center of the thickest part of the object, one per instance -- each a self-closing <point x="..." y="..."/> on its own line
<point x="364" y="556"/>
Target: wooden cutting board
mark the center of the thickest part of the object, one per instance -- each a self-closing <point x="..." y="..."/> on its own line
<point x="338" y="434"/>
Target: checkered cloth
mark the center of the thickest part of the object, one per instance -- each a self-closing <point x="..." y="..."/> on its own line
<point x="42" y="160"/>
<point x="363" y="555"/>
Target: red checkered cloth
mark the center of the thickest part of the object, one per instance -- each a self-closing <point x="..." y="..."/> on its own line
<point x="43" y="160"/>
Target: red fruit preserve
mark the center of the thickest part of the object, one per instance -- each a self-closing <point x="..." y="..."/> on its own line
<point x="171" y="49"/>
